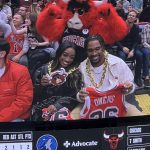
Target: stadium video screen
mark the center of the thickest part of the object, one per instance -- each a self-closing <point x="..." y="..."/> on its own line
<point x="103" y="122"/>
<point x="60" y="106"/>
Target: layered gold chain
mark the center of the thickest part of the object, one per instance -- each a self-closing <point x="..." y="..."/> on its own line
<point x="90" y="74"/>
<point x="50" y="68"/>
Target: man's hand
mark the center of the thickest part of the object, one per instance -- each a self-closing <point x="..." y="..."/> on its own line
<point x="82" y="95"/>
<point x="128" y="86"/>
<point x="126" y="50"/>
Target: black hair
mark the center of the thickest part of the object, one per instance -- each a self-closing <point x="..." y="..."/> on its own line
<point x="62" y="47"/>
<point x="4" y="46"/>
<point x="74" y="79"/>
<point x="93" y="38"/>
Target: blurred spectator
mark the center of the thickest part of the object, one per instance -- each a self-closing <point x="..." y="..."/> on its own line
<point x="4" y="11"/>
<point x="137" y="5"/>
<point x="5" y="8"/>
<point x="3" y="16"/>
<point x="126" y="3"/>
<point x="120" y="10"/>
<point x="145" y="36"/>
<point x="128" y="47"/>
<point x="113" y="2"/>
<point x="23" y="11"/>
<point x="16" y="88"/>
<point x="130" y="8"/>
<point x="35" y="8"/>
<point x="18" y="43"/>
<point x="40" y="50"/>
<point x="41" y="4"/>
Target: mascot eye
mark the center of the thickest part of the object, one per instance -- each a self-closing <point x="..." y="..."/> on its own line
<point x="81" y="11"/>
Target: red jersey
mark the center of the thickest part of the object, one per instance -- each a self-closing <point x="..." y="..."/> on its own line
<point x="62" y="114"/>
<point x="16" y="43"/>
<point x="103" y="104"/>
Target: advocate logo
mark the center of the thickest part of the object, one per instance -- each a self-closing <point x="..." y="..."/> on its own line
<point x="47" y="142"/>
<point x="68" y="144"/>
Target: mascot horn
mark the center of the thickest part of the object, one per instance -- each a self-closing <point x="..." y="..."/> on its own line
<point x="74" y="20"/>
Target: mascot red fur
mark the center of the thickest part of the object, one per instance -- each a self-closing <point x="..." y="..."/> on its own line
<point x="76" y="19"/>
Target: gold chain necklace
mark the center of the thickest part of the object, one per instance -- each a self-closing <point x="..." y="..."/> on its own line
<point x="50" y="68"/>
<point x="89" y="72"/>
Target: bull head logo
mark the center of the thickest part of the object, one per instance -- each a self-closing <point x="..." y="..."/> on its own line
<point x="113" y="139"/>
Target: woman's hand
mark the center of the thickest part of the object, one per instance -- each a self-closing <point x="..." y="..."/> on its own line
<point x="51" y="109"/>
<point x="45" y="80"/>
<point x="83" y="94"/>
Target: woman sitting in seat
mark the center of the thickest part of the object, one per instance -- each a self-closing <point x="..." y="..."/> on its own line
<point x="58" y="82"/>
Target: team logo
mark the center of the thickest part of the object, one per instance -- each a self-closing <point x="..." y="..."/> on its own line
<point x="47" y="142"/>
<point x="58" y="77"/>
<point x="113" y="139"/>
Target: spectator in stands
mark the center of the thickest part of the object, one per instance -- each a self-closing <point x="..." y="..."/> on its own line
<point x="126" y="3"/>
<point x="41" y="4"/>
<point x="137" y="5"/>
<point x="113" y="2"/>
<point x="4" y="11"/>
<point x="18" y="43"/>
<point x="145" y="36"/>
<point x="120" y="10"/>
<point x="16" y="88"/>
<point x="23" y="11"/>
<point x="35" y="8"/>
<point x="128" y="47"/>
<point x="59" y="78"/>
<point x="5" y="8"/>
<point x="130" y="8"/>
<point x="104" y="72"/>
<point x="40" y="51"/>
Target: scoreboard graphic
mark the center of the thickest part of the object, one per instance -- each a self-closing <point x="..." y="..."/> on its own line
<point x="138" y="137"/>
<point x="135" y="137"/>
<point x="16" y="140"/>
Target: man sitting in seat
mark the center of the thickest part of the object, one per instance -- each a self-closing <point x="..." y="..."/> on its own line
<point x="145" y="41"/>
<point x="128" y="47"/>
